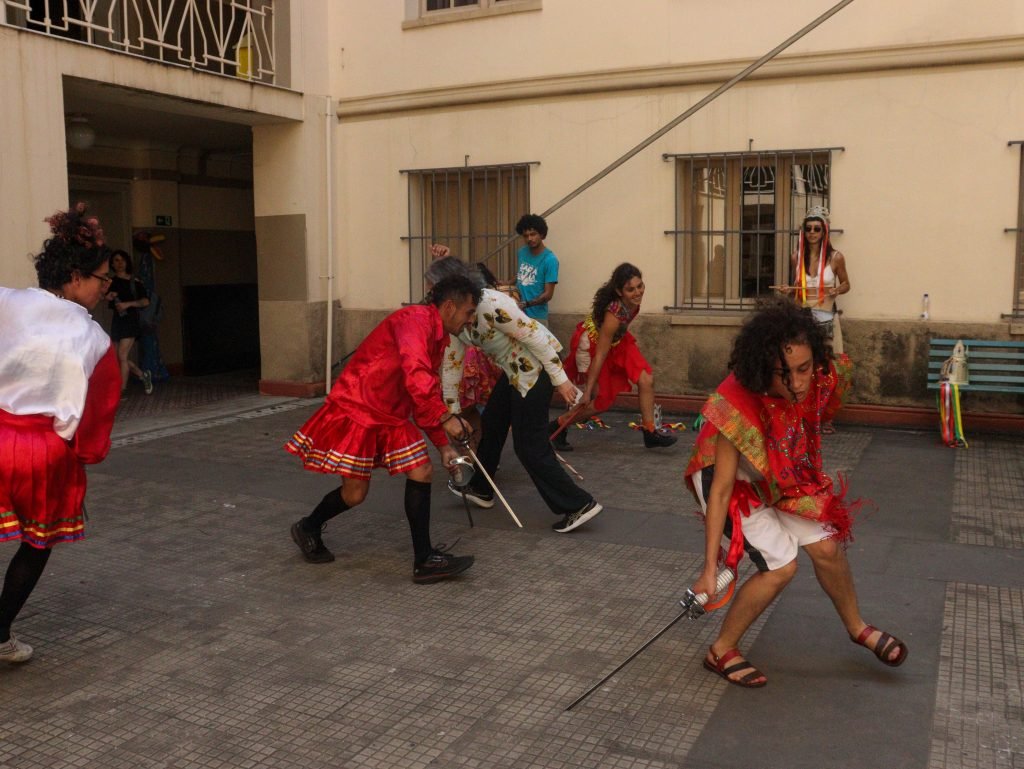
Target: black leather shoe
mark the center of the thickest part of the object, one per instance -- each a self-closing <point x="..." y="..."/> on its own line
<point x="310" y="543"/>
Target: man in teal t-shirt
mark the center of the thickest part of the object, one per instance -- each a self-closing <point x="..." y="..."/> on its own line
<point x="537" y="273"/>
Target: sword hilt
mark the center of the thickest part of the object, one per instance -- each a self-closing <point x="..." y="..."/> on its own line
<point x="693" y="603"/>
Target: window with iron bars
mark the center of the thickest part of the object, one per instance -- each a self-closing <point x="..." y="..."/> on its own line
<point x="473" y="210"/>
<point x="737" y="222"/>
<point x="1018" y="270"/>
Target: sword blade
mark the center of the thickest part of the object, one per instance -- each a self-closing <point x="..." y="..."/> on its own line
<point x="493" y="486"/>
<point x="569" y="467"/>
<point x="625" y="662"/>
<point x="569" y="419"/>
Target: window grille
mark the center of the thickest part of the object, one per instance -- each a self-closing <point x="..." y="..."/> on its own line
<point x="473" y="210"/>
<point x="737" y="221"/>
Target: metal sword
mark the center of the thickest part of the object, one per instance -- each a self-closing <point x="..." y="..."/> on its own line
<point x="569" y="467"/>
<point x="693" y="607"/>
<point x="494" y="486"/>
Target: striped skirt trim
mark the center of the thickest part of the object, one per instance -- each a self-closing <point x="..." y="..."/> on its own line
<point x="397" y="461"/>
<point x="39" y="534"/>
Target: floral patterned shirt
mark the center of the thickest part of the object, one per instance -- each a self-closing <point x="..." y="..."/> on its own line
<point x="517" y="343"/>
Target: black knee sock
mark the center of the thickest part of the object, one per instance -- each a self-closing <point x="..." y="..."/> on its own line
<point x="417" y="510"/>
<point x="331" y="505"/>
<point x="22" y="575"/>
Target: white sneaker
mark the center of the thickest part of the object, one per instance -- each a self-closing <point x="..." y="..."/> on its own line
<point x="147" y="382"/>
<point x="14" y="650"/>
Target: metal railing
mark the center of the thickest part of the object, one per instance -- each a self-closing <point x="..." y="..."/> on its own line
<point x="228" y="37"/>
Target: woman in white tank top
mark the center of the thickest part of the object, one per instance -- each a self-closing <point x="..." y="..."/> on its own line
<point x="817" y="282"/>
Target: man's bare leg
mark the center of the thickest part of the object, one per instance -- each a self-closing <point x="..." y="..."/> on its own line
<point x="835" y="577"/>
<point x="750" y="601"/>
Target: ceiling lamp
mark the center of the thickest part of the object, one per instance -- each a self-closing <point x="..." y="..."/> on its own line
<point x="80" y="134"/>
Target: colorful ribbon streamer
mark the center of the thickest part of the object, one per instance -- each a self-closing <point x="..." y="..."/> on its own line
<point x="950" y="418"/>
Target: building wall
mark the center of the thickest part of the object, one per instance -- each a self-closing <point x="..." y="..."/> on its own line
<point x="922" y="96"/>
<point x="923" y="100"/>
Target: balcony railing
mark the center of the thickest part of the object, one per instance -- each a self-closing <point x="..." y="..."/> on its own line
<point x="228" y="37"/>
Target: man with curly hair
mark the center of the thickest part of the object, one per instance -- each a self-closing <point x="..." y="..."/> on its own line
<point x="537" y="268"/>
<point x="756" y="472"/>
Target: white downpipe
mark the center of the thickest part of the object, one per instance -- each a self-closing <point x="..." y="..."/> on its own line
<point x="328" y="364"/>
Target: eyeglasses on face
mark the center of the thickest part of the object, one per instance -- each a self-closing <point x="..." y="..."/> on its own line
<point x="104" y="279"/>
<point x="813" y="228"/>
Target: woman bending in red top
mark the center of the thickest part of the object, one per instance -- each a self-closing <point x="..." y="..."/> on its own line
<point x="605" y="358"/>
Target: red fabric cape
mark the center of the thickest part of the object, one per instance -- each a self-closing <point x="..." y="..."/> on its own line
<point x="782" y="442"/>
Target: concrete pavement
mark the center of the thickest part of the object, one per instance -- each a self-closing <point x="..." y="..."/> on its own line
<point x="188" y="632"/>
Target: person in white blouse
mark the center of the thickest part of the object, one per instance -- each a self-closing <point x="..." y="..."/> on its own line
<point x="59" y="389"/>
<point x="527" y="354"/>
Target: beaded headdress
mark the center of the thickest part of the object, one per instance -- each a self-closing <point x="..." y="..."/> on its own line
<point x="817" y="212"/>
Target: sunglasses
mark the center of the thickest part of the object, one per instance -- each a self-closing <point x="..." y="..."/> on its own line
<point x="813" y="228"/>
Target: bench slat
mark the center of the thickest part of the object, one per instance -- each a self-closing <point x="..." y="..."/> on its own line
<point x="972" y="367"/>
<point x="988" y="354"/>
<point x="976" y="342"/>
<point x="983" y="388"/>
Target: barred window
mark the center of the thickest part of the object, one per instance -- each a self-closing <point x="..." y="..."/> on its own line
<point x="737" y="221"/>
<point x="473" y="210"/>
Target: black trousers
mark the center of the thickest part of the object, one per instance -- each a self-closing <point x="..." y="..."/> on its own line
<point x="528" y="418"/>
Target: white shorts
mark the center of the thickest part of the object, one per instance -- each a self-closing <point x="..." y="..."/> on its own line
<point x="771" y="537"/>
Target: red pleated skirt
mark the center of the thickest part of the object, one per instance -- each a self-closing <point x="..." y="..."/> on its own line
<point x="479" y="375"/>
<point x="331" y="442"/>
<point x="621" y="369"/>
<point x="42" y="483"/>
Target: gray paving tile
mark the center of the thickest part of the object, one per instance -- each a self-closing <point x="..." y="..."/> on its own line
<point x="187" y="631"/>
<point x="989" y="493"/>
<point x="979" y="697"/>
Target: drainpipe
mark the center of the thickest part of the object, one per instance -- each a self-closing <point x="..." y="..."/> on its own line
<point x="330" y="247"/>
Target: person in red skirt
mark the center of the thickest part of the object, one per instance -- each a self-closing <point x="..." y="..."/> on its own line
<point x="59" y="388"/>
<point x="605" y="360"/>
<point x="390" y="388"/>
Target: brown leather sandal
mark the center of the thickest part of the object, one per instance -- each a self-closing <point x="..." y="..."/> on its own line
<point x="720" y="663"/>
<point x="883" y="648"/>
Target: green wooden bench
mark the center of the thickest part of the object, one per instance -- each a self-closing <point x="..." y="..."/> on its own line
<point x="996" y="367"/>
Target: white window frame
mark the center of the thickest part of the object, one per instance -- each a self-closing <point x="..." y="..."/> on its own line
<point x="417" y="15"/>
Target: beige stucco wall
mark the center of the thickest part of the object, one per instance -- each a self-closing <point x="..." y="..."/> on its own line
<point x="923" y="95"/>
<point x="578" y="36"/>
<point x="924" y="189"/>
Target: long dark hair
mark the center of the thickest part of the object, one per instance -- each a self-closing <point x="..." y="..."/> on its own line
<point x="803" y="245"/>
<point x="611" y="291"/>
<point x="759" y="348"/>
<point x="76" y="245"/>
